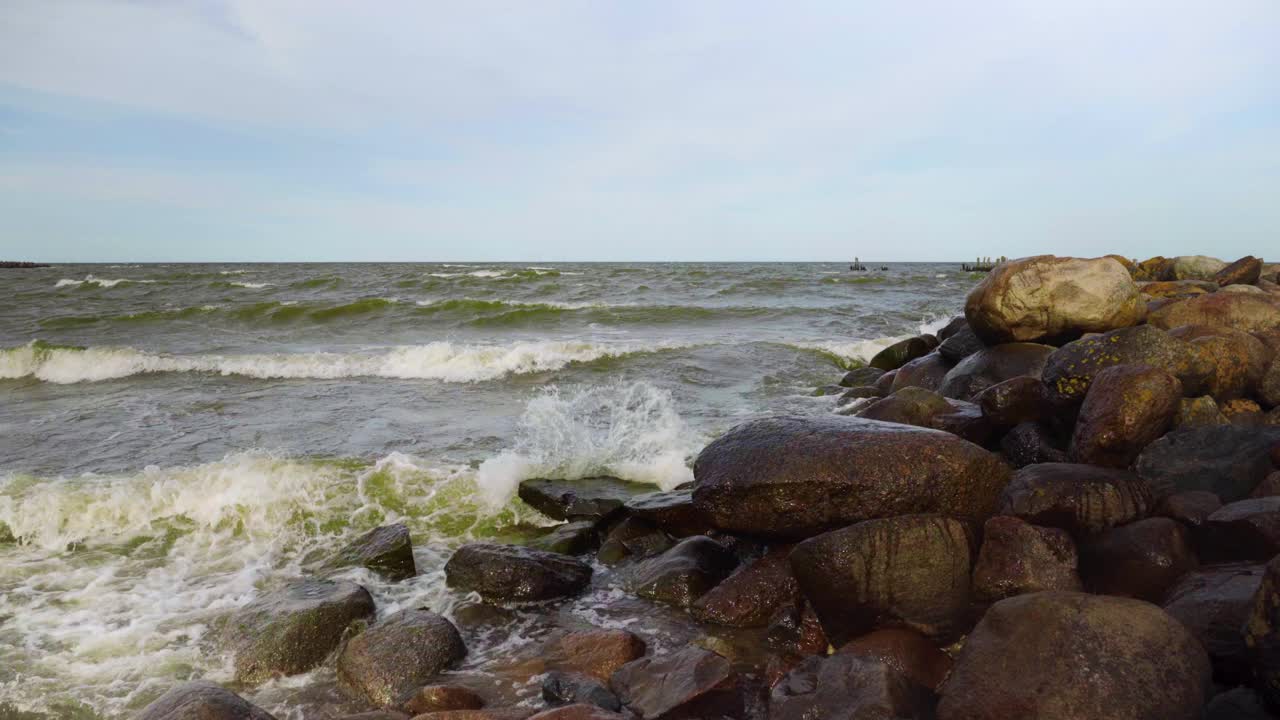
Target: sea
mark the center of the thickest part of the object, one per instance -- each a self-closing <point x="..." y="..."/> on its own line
<point x="177" y="439"/>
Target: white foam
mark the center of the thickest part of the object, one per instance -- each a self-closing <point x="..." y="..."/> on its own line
<point x="100" y="282"/>
<point x="444" y="361"/>
<point x="628" y="430"/>
<point x="253" y="286"/>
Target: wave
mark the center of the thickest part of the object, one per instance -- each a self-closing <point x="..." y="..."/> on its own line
<point x="98" y="282"/>
<point x="442" y="361"/>
<point x="852" y="353"/>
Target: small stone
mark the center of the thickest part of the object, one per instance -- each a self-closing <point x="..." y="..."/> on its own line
<point x="560" y="688"/>
<point x="385" y="550"/>
<point x="861" y="376"/>
<point x="595" y="653"/>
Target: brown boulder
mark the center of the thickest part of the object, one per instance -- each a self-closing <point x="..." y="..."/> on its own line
<point x="673" y="511"/>
<point x="1014" y="401"/>
<point x="796" y="631"/>
<point x="924" y="408"/>
<point x="200" y="700"/>
<point x="434" y="698"/>
<point x="1269" y="385"/>
<point x="1247" y="312"/>
<point x="1213" y="603"/>
<point x="1177" y="288"/>
<point x="1084" y="500"/>
<point x="688" y="683"/>
<point x="906" y="651"/>
<point x="1269" y="486"/>
<point x="1071" y="368"/>
<point x="901" y="353"/>
<point x="1140" y="560"/>
<point x="514" y="573"/>
<point x="1262" y="635"/>
<point x="578" y="712"/>
<point x="589" y="498"/>
<point x="1245" y="530"/>
<point x="1190" y="507"/>
<point x="994" y="365"/>
<point x="1198" y="412"/>
<point x="1018" y="558"/>
<point x="385" y="550"/>
<point x="752" y="595"/>
<point x="1227" y="461"/>
<point x="1031" y="443"/>
<point x="846" y="687"/>
<point x="685" y="572"/>
<point x="1156" y="268"/>
<point x="398" y="654"/>
<point x="633" y="538"/>
<point x="797" y="476"/>
<point x="1127" y="407"/>
<point x="1066" y="656"/>
<point x="926" y="372"/>
<point x="906" y="571"/>
<point x="1237" y="359"/>
<point x="1244" y="271"/>
<point x="595" y="653"/>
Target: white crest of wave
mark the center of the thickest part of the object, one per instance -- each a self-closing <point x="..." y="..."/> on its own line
<point x="628" y="430"/>
<point x="100" y="282"/>
<point x="444" y="361"/>
<point x="253" y="286"/>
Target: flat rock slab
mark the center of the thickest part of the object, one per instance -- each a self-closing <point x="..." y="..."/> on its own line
<point x="1225" y="460"/>
<point x="583" y="499"/>
<point x="514" y="573"/>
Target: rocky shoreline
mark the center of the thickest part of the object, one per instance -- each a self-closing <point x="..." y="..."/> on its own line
<point x="1066" y="504"/>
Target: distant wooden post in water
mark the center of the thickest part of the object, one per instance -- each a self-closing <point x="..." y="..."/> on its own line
<point x="982" y="264"/>
<point x="19" y="264"/>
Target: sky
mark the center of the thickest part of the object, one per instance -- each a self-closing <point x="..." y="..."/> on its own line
<point x="260" y="130"/>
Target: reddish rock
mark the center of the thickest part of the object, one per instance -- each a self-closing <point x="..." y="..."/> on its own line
<point x="1081" y="499"/>
<point x="926" y="372"/>
<point x="1141" y="560"/>
<point x="906" y="651"/>
<point x="994" y="365"/>
<point x="752" y="595"/>
<point x="1244" y="271"/>
<point x="688" y="683"/>
<point x="1019" y="558"/>
<point x="595" y="653"/>
<point x="1127" y="407"/>
<point x="797" y="632"/>
<point x="846" y="687"/>
<point x="433" y="698"/>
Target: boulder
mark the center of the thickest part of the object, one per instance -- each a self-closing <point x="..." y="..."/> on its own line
<point x="846" y="687"/>
<point x="1030" y="443"/>
<point x="685" y="572"/>
<point x="1262" y="635"/>
<point x="901" y="353"/>
<point x="399" y="654"/>
<point x="572" y="538"/>
<point x="1269" y="385"/>
<point x="858" y="377"/>
<point x="1198" y="412"/>
<point x="1047" y="298"/>
<point x="633" y="538"/>
<point x="1065" y="656"/>
<point x="1071" y="368"/>
<point x="907" y="571"/>
<point x="583" y="499"/>
<point x="435" y="698"/>
<point x="293" y="629"/>
<point x="514" y="573"/>
<point x="1084" y="500"/>
<point x="1178" y="289"/>
<point x="1018" y="558"/>
<point x="578" y="712"/>
<point x="595" y="653"/>
<point x="1014" y="401"/>
<point x="884" y="384"/>
<point x="960" y="344"/>
<point x="993" y="365"/>
<point x="1247" y="289"/>
<point x="1237" y="359"/>
<point x="385" y="550"/>
<point x="1270" y="486"/>
<point x="1156" y="268"/>
<point x="926" y="372"/>
<point x="1196" y="267"/>
<point x="1244" y="271"/>
<point x="1213" y="603"/>
<point x="1240" y="703"/>
<point x="1190" y="507"/>
<point x="906" y="651"/>
<point x="1241" y="311"/>
<point x="797" y="476"/>
<point x="1140" y="560"/>
<point x="688" y="683"/>
<point x="924" y="408"/>
<point x="1225" y="460"/>
<point x="1127" y="407"/>
<point x="1245" y="530"/>
<point x="505" y="713"/>
<point x="752" y="595"/>
<point x="796" y="631"/>
<point x="200" y="700"/>
<point x="559" y="688"/>
<point x="673" y="511"/>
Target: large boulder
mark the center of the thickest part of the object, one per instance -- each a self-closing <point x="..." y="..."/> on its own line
<point x="751" y="596"/>
<point x="846" y="687"/>
<point x="200" y="700"/>
<point x="1018" y="558"/>
<point x="685" y="572"/>
<point x="583" y="499"/>
<point x="1269" y="385"/>
<point x="293" y="629"/>
<point x="1238" y="360"/>
<point x="924" y="408"/>
<point x="1244" y="271"/>
<point x="901" y="353"/>
<point x="1245" y="530"/>
<point x="1084" y="500"/>
<point x="1199" y="412"/>
<point x="514" y="573"/>
<point x="1047" y="298"/>
<point x="1196" y="267"/>
<point x="907" y="571"/>
<point x="1262" y="634"/>
<point x="906" y="651"/>
<point x="860" y="376"/>
<point x="798" y="476"/>
<point x="1139" y="560"/>
<point x="1067" y="656"/>
<point x="1225" y="460"/>
<point x="1127" y="407"/>
<point x="1156" y="268"/>
<point x="1242" y="311"/>
<point x="398" y="654"/>
<point x="1241" y="703"/>
<point x="633" y="538"/>
<point x="1192" y="508"/>
<point x="994" y="365"/>
<point x="688" y="683"/>
<point x="926" y="372"/>
<point x="438" y="698"/>
<point x="386" y="550"/>
<point x="1213" y="603"/>
<point x="1071" y="369"/>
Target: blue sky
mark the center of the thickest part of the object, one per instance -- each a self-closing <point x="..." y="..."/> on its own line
<point x="708" y="130"/>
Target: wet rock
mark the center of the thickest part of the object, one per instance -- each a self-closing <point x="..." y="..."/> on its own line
<point x="672" y="511"/>
<point x="386" y="550"/>
<point x="1239" y="703"/>
<point x="595" y="653"/>
<point x="1244" y="271"/>
<point x="751" y="595"/>
<point x="293" y="629"/>
<point x="1177" y="289"/>
<point x="1243" y="530"/>
<point x="399" y="654"/>
<point x="857" y="393"/>
<point x="1052" y="298"/>
<point x="1018" y="558"/>
<point x="796" y="631"/>
<point x="906" y="651"/>
<point x="858" y="377"/>
<point x="574" y="538"/>
<point x="200" y="700"/>
<point x="1247" y="312"/>
<point x="1198" y="412"/>
<point x="482" y="615"/>
<point x="1262" y="635"/>
<point x="434" y="698"/>
<point x="1030" y="443"/>
<point x="1081" y="499"/>
<point x="1269" y="487"/>
<point x="578" y="712"/>
<point x="584" y="499"/>
<point x="633" y="538"/>
<point x="688" y="683"/>
<point x="926" y="372"/>
<point x="907" y="571"/>
<point x="377" y="715"/>
<point x="1213" y="603"/>
<point x="884" y="384"/>
<point x="1196" y="267"/>
<point x="994" y="365"/>
<point x="1224" y="460"/>
<point x="1127" y="408"/>
<point x="1269" y="385"/>
<point x="560" y="688"/>
<point x="507" y="713"/>
<point x="1012" y="402"/>
<point x="924" y="408"/>
<point x="510" y="572"/>
<point x="1191" y="507"/>
<point x="685" y="572"/>
<point x="1071" y="368"/>
<point x="1140" y="560"/>
<point x="960" y="345"/>
<point x="1064" y="656"/>
<point x="846" y="687"/>
<point x="901" y="353"/>
<point x="796" y="476"/>
<point x="953" y="326"/>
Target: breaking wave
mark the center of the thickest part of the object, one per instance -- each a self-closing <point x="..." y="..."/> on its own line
<point x="98" y="282"/>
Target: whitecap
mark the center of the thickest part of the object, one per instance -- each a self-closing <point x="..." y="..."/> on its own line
<point x="100" y="282"/>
